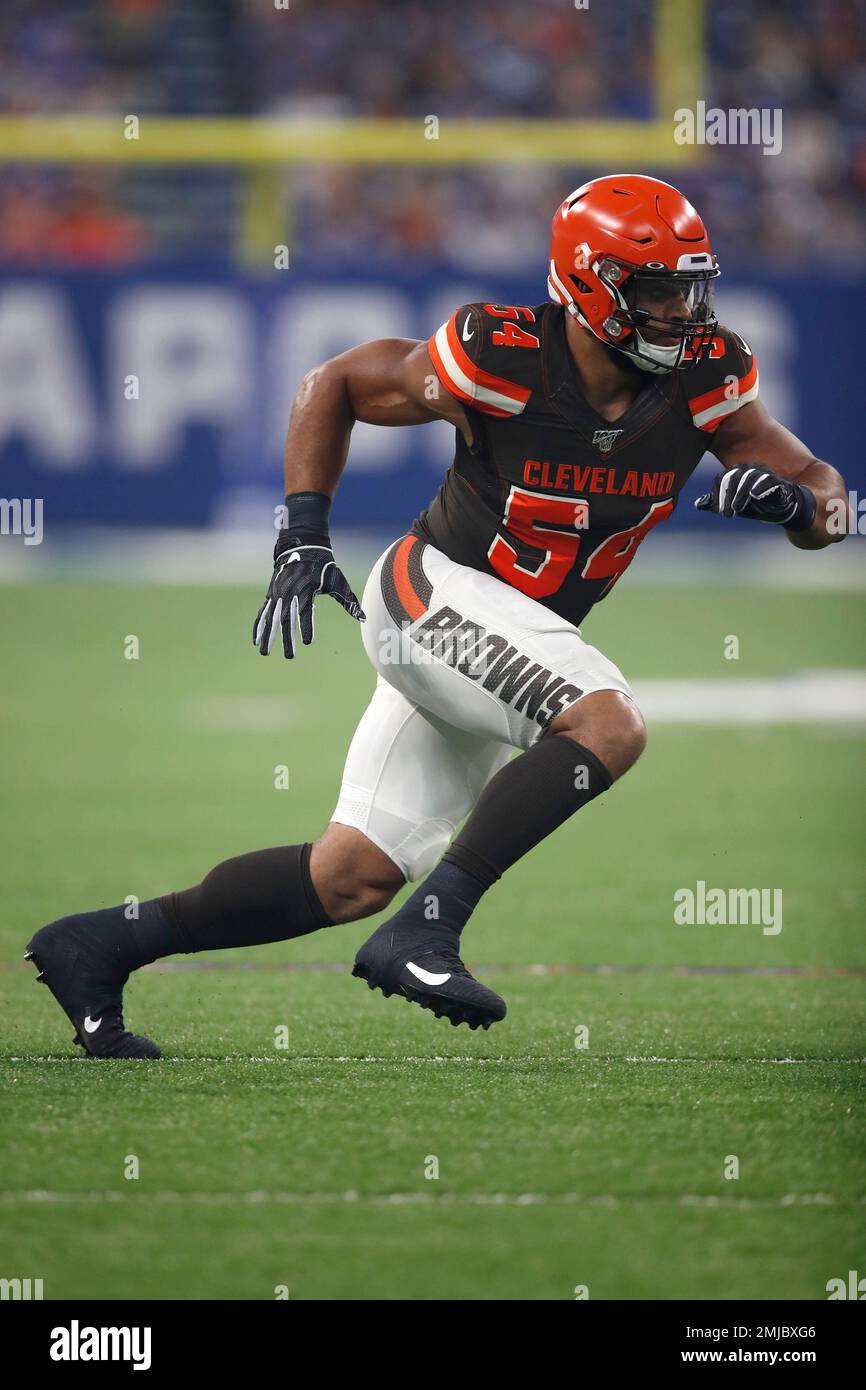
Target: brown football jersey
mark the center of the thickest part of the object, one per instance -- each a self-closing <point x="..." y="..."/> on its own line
<point x="551" y="497"/>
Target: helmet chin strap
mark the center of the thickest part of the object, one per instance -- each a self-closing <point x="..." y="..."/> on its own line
<point x="646" y="363"/>
<point x="666" y="361"/>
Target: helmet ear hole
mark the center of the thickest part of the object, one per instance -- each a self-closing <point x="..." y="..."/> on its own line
<point x="581" y="285"/>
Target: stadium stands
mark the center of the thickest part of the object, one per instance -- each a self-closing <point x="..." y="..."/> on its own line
<point x="493" y="58"/>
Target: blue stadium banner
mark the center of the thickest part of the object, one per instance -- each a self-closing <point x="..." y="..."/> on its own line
<point x="160" y="396"/>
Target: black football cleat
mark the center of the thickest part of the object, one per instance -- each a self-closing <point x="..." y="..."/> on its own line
<point x="87" y="981"/>
<point x="423" y="965"/>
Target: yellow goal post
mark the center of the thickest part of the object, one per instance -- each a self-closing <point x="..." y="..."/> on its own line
<point x="260" y="148"/>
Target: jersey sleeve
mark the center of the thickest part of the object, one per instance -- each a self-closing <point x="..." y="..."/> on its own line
<point x="488" y="357"/>
<point x="724" y="381"/>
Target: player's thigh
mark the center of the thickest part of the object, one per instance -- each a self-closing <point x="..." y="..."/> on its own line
<point x="472" y="650"/>
<point x="410" y="779"/>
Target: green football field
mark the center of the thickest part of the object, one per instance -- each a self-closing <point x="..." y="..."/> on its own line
<point x="558" y="1166"/>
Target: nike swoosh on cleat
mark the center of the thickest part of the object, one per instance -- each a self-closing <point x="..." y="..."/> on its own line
<point x="464" y="335"/>
<point x="425" y="976"/>
<point x="91" y="1024"/>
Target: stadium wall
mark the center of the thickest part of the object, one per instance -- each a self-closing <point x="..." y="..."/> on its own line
<point x="160" y="396"/>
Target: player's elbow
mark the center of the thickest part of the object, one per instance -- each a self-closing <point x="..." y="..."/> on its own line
<point x="832" y="521"/>
<point x="324" y="389"/>
<point x="354" y="386"/>
<point x="325" y="376"/>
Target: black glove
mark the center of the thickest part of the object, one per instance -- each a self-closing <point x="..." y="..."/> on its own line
<point x="752" y="491"/>
<point x="304" y="566"/>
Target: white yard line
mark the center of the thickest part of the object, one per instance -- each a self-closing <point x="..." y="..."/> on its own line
<point x="45" y="1196"/>
<point x="323" y="1060"/>
<point x="817" y="697"/>
<point x="804" y="697"/>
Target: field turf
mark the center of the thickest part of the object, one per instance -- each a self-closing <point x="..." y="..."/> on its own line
<point x="559" y="1166"/>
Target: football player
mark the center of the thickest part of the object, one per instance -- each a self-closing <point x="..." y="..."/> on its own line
<point x="577" y="423"/>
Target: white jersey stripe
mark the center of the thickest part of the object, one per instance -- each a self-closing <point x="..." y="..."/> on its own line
<point x="458" y="378"/>
<point x="725" y="407"/>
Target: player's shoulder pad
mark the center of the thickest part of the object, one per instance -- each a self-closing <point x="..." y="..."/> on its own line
<point x="489" y="356"/>
<point x="725" y="379"/>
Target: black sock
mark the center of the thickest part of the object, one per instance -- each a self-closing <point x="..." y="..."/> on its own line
<point x="264" y="896"/>
<point x="151" y="934"/>
<point x="448" y="896"/>
<point x="130" y="935"/>
<point x="519" y="807"/>
<point x="524" y="803"/>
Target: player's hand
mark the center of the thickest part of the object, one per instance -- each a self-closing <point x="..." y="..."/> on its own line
<point x="753" y="491"/>
<point x="301" y="571"/>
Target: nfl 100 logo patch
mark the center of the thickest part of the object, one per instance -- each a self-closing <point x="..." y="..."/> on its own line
<point x="604" y="440"/>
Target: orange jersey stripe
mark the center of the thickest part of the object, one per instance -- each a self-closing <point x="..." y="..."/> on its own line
<point x="721" y="393"/>
<point x="406" y="594"/>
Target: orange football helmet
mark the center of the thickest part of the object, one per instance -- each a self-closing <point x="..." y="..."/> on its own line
<point x="630" y="259"/>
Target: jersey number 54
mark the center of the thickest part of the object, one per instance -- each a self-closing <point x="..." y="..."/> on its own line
<point x="550" y="524"/>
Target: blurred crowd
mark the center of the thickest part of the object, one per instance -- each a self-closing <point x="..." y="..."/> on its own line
<point x="387" y="58"/>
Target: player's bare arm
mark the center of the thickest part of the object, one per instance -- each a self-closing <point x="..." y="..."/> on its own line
<point x="751" y="442"/>
<point x="387" y="382"/>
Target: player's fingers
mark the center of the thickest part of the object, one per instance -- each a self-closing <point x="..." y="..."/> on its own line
<point x="351" y="605"/>
<point x="726" y="487"/>
<point x="704" y="503"/>
<point x="335" y="583"/>
<point x="289" y="626"/>
<point x="774" y="500"/>
<point x="261" y="626"/>
<point x="767" y="485"/>
<point x="306" y="617"/>
<point x="269" y="634"/>
<point x="742" y="489"/>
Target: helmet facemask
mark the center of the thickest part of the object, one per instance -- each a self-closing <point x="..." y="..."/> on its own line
<point x="665" y="317"/>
